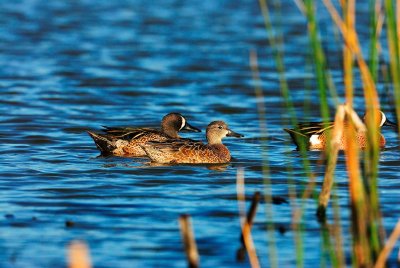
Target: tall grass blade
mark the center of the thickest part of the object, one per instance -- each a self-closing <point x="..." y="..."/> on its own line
<point x="273" y="257"/>
<point x="349" y="15"/>
<point x="393" y="44"/>
<point x="278" y="57"/>
<point x="373" y="150"/>
<point x="319" y="58"/>
<point x="361" y="254"/>
<point x="375" y="29"/>
<point x="245" y="224"/>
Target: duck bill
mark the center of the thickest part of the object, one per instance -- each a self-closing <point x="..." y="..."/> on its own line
<point x="390" y="124"/>
<point x="190" y="128"/>
<point x="234" y="134"/>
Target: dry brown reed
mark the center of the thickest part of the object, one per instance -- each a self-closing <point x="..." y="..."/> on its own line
<point x="251" y="213"/>
<point x="189" y="241"/>
<point x="366" y="219"/>
<point x="264" y="152"/>
<point x="78" y="255"/>
<point x="245" y="224"/>
<point x="387" y="249"/>
<point x="331" y="165"/>
<point x="365" y="208"/>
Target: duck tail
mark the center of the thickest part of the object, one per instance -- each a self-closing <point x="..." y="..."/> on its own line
<point x="298" y="138"/>
<point x="103" y="143"/>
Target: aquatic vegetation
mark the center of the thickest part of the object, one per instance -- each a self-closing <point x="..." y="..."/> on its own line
<point x="368" y="239"/>
<point x="130" y="62"/>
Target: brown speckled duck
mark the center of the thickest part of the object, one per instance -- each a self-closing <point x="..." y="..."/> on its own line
<point x="315" y="134"/>
<point x="121" y="141"/>
<point x="192" y="152"/>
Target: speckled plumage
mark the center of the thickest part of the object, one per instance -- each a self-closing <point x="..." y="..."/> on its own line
<point x="315" y="134"/>
<point x="128" y="141"/>
<point x="361" y="139"/>
<point x="192" y="152"/>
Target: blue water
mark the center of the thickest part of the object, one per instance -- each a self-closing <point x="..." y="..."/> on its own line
<point x="72" y="66"/>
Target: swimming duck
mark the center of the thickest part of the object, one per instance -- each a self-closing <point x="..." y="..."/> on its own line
<point x="315" y="134"/>
<point x="127" y="141"/>
<point x="194" y="152"/>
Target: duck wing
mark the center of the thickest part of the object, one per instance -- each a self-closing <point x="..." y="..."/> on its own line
<point x="175" y="145"/>
<point x="311" y="128"/>
<point x="129" y="133"/>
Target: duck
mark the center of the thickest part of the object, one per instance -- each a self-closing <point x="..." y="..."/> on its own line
<point x="315" y="134"/>
<point x="194" y="152"/>
<point x="127" y="141"/>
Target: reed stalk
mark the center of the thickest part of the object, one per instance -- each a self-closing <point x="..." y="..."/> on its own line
<point x="361" y="254"/>
<point x="319" y="58"/>
<point x="363" y="186"/>
<point x="189" y="241"/>
<point x="387" y="249"/>
<point x="328" y="249"/>
<point x="273" y="256"/>
<point x="375" y="29"/>
<point x="251" y="213"/>
<point x="349" y="15"/>
<point x="337" y="233"/>
<point x="78" y="255"/>
<point x="371" y="154"/>
<point x="337" y="133"/>
<point x="351" y="40"/>
<point x="244" y="221"/>
<point x="274" y="39"/>
<point x="279" y="62"/>
<point x="394" y="50"/>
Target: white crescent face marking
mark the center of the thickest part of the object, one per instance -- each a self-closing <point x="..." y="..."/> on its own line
<point x="226" y="132"/>
<point x="183" y="122"/>
<point x="314" y="140"/>
<point x="383" y="119"/>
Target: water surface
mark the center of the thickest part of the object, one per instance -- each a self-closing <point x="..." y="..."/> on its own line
<point x="72" y="66"/>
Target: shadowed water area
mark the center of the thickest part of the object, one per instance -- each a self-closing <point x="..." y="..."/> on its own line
<point x="72" y="66"/>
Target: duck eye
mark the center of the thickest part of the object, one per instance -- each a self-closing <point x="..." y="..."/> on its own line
<point x="220" y="127"/>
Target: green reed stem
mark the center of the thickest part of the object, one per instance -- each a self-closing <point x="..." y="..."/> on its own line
<point x="374" y="40"/>
<point x="349" y="16"/>
<point x="319" y="58"/>
<point x="394" y="59"/>
<point x="328" y="248"/>
<point x="278" y="57"/>
<point x="324" y="82"/>
<point x="373" y="153"/>
<point x="337" y="231"/>
<point x="273" y="256"/>
<point x="275" y="39"/>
